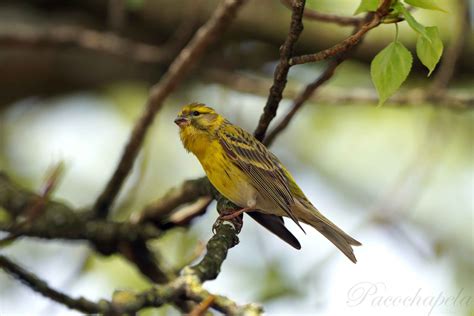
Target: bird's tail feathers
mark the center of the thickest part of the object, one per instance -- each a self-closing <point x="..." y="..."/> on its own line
<point x="328" y="229"/>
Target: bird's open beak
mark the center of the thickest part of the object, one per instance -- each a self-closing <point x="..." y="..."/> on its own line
<point x="181" y="121"/>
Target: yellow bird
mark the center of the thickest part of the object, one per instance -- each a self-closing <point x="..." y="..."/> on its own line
<point x="244" y="171"/>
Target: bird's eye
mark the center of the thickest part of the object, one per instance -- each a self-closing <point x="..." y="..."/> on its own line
<point x="196" y="113"/>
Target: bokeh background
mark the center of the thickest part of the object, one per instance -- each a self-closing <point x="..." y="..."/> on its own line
<point x="399" y="178"/>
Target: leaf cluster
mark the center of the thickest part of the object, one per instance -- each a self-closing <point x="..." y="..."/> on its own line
<point x="392" y="65"/>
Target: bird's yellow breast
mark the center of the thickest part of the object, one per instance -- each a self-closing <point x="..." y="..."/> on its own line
<point x="224" y="175"/>
<point x="229" y="180"/>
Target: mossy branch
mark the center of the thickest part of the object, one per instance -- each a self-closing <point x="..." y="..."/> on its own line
<point x="59" y="221"/>
<point x="186" y="287"/>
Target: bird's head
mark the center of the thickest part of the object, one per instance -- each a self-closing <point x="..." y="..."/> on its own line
<point x="197" y="124"/>
<point x="198" y="118"/>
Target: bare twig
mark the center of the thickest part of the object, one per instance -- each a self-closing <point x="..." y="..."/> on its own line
<point x="189" y="191"/>
<point x="206" y="35"/>
<point x="202" y="308"/>
<point x="154" y="297"/>
<point x="307" y="92"/>
<point x="139" y="254"/>
<point x="40" y="286"/>
<point x="349" y="42"/>
<point x="36" y="207"/>
<point x="281" y="71"/>
<point x="67" y="35"/>
<point x="327" y="17"/>
<point x="185" y="215"/>
<point x="337" y="96"/>
<point x="50" y="184"/>
<point x="21" y="35"/>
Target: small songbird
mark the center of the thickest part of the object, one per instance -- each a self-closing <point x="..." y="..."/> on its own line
<point x="244" y="171"/>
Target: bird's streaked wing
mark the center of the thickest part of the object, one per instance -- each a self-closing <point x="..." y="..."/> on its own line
<point x="261" y="166"/>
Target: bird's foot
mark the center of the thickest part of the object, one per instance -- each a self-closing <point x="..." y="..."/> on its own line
<point x="233" y="216"/>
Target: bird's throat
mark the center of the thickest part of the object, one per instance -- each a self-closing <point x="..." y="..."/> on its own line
<point x="195" y="142"/>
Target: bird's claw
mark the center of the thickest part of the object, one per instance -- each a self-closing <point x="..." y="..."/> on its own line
<point x="233" y="217"/>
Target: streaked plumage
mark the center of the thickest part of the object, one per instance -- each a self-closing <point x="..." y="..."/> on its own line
<point x="244" y="171"/>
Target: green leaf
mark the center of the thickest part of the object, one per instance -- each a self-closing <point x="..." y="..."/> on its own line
<point x="414" y="24"/>
<point x="389" y="69"/>
<point x="425" y="4"/>
<point x="429" y="48"/>
<point x="367" y="6"/>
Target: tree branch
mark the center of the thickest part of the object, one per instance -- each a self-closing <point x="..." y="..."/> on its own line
<point x="188" y="286"/>
<point x="338" y="96"/>
<point x="304" y="95"/>
<point x="217" y="247"/>
<point x="281" y="71"/>
<point x="283" y="67"/>
<point x="40" y="286"/>
<point x="68" y="35"/>
<point x="189" y="191"/>
<point x="327" y="17"/>
<point x="59" y="221"/>
<point x="206" y="35"/>
<point x="310" y="89"/>
<point x="349" y="42"/>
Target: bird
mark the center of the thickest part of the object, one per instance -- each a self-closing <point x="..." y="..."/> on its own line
<point x="245" y="172"/>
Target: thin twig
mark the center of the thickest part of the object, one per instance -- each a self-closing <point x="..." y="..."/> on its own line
<point x="205" y="36"/>
<point x="155" y="297"/>
<point x="36" y="207"/>
<point x="139" y="254"/>
<point x="49" y="185"/>
<point x="310" y="89"/>
<point x="327" y="17"/>
<point x="202" y="308"/>
<point x="40" y="286"/>
<point x="336" y="96"/>
<point x="307" y="92"/>
<point x="281" y="71"/>
<point x="349" y="42"/>
<point x="189" y="191"/>
<point x="68" y="35"/>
